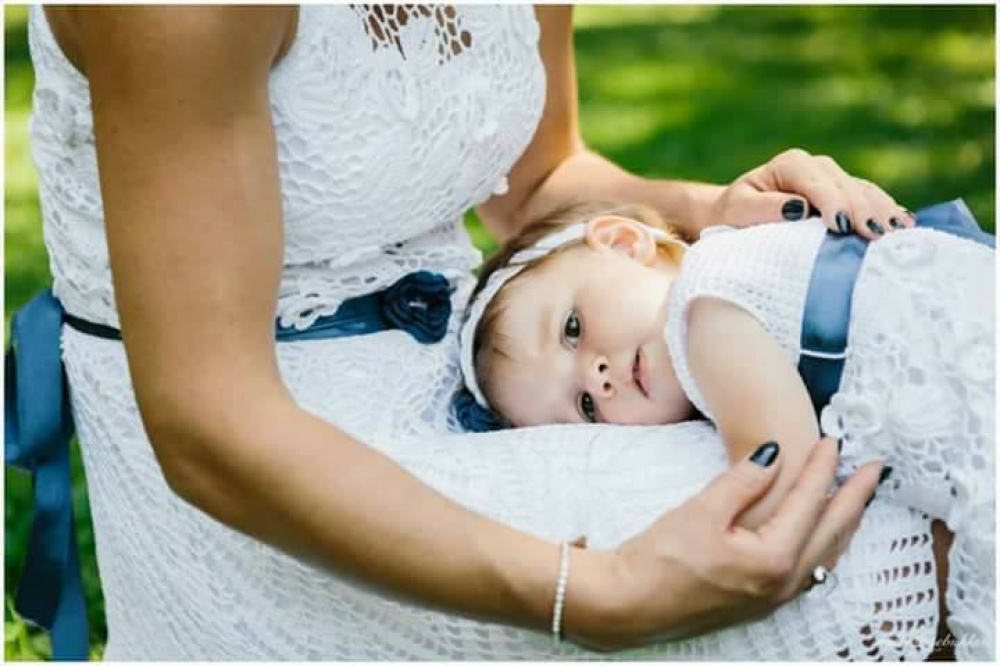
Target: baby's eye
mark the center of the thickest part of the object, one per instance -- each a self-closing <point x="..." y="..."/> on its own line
<point x="587" y="408"/>
<point x="571" y="330"/>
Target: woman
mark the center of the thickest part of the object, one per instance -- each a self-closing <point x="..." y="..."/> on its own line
<point x="354" y="138"/>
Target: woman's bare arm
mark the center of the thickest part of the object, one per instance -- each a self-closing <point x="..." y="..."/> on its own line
<point x="754" y="392"/>
<point x="557" y="168"/>
<point x="191" y="196"/>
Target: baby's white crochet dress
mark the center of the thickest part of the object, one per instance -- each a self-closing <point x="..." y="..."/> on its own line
<point x="918" y="383"/>
<point x="390" y="124"/>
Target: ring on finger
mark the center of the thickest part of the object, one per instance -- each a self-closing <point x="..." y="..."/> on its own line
<point x="823" y="578"/>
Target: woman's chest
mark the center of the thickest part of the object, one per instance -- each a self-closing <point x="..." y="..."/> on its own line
<point x="390" y="121"/>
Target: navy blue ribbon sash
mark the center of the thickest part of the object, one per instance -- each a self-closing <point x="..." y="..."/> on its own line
<point x="827" y="315"/>
<point x="39" y="424"/>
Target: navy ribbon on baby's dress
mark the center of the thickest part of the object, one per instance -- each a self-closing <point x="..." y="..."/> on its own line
<point x="39" y="424"/>
<point x="827" y="315"/>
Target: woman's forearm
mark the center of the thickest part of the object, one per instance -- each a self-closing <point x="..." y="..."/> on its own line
<point x="292" y="480"/>
<point x="588" y="175"/>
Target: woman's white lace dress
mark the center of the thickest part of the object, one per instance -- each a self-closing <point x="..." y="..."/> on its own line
<point x="390" y="124"/>
<point x="918" y="383"/>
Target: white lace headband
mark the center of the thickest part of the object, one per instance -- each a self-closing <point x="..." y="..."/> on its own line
<point x="502" y="276"/>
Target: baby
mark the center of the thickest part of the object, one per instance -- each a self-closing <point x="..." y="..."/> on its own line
<point x="599" y="313"/>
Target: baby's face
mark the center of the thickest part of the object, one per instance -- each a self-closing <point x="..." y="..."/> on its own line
<point x="586" y="342"/>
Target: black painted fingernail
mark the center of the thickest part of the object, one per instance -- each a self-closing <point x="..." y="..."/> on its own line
<point x="895" y="223"/>
<point x="884" y="474"/>
<point x="840" y="445"/>
<point x="870" y="500"/>
<point x="765" y="455"/>
<point x="815" y="212"/>
<point x="843" y="222"/>
<point x="875" y="227"/>
<point x="793" y="209"/>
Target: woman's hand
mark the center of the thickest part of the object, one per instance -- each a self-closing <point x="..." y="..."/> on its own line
<point x="844" y="202"/>
<point x="694" y="570"/>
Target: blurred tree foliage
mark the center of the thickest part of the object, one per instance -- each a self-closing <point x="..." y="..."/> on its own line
<point x="903" y="96"/>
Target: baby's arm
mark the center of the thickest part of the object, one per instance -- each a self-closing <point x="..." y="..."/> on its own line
<point x="754" y="392"/>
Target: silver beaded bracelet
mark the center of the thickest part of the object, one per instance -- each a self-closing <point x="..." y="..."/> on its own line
<point x="560" y="592"/>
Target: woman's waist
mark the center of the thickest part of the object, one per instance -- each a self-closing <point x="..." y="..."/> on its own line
<point x="305" y="293"/>
<point x="309" y="291"/>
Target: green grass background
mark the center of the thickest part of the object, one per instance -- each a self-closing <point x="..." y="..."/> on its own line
<point x="903" y="96"/>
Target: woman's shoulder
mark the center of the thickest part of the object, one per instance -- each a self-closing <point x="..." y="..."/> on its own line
<point x="77" y="30"/>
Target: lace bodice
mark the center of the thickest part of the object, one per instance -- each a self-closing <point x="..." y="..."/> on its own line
<point x="390" y="121"/>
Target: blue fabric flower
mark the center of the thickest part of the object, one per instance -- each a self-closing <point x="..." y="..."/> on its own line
<point x="474" y="417"/>
<point x="420" y="304"/>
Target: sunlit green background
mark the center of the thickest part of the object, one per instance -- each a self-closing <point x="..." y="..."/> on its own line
<point x="901" y="96"/>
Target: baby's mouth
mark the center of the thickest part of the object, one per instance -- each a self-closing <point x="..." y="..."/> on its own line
<point x="637" y="372"/>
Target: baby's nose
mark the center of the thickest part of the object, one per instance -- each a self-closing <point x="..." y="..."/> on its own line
<point x="599" y="382"/>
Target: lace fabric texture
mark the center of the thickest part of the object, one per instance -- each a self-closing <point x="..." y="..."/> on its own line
<point x="178" y="585"/>
<point x="918" y="383"/>
<point x="919" y="390"/>
<point x="390" y="123"/>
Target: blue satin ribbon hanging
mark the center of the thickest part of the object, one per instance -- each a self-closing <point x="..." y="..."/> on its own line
<point x="38" y="427"/>
<point x="827" y="315"/>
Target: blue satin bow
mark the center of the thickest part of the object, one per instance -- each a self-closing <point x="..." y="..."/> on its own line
<point x="38" y="427"/>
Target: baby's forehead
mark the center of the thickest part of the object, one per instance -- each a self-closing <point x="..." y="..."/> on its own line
<point x="545" y="277"/>
<point x="524" y="304"/>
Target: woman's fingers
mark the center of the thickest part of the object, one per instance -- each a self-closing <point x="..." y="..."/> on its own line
<point x="842" y="205"/>
<point x="872" y="212"/>
<point x="746" y="205"/>
<point x="870" y="207"/>
<point x="889" y="214"/>
<point x="799" y="172"/>
<point x="793" y="524"/>
<point x="836" y="527"/>
<point x="845" y="203"/>
<point x="739" y="487"/>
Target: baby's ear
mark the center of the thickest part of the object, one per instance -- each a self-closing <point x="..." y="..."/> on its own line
<point x="622" y="235"/>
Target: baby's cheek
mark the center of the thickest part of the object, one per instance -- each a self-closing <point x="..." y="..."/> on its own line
<point x="678" y="408"/>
